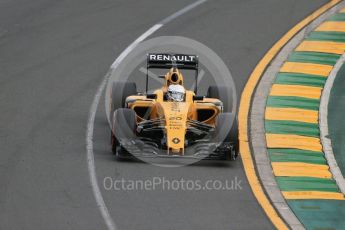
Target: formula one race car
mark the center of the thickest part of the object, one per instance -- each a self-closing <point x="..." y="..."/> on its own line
<point x="173" y="121"/>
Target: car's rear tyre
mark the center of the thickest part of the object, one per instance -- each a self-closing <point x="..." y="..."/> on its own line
<point x="123" y="128"/>
<point x="224" y="94"/>
<point x="226" y="132"/>
<point x="119" y="92"/>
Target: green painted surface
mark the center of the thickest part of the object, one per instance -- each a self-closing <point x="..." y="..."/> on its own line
<point x="337" y="17"/>
<point x="300" y="79"/>
<point x="296" y="155"/>
<point x="336" y="121"/>
<point x="320" y="214"/>
<point x="306" y="184"/>
<point x="314" y="57"/>
<point x="313" y="214"/>
<point x="293" y="102"/>
<point x="326" y="36"/>
<point x="292" y="127"/>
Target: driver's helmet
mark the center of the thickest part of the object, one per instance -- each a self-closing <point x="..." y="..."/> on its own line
<point x="176" y="93"/>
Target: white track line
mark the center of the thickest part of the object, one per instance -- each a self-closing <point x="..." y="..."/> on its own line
<point x="92" y="113"/>
<point x="323" y="123"/>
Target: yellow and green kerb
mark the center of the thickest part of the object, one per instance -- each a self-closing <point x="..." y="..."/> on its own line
<point x="292" y="129"/>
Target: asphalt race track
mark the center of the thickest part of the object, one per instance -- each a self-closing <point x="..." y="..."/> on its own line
<point x="54" y="55"/>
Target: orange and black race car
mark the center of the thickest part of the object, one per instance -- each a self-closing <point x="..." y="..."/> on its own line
<point x="172" y="121"/>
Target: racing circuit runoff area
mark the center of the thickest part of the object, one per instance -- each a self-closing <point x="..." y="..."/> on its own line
<point x="56" y="166"/>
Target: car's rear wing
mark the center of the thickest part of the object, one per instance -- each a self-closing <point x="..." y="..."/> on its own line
<point x="167" y="61"/>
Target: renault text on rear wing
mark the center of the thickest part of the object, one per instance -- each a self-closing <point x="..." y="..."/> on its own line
<point x="166" y="61"/>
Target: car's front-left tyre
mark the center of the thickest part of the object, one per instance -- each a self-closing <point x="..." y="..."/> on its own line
<point x="226" y="133"/>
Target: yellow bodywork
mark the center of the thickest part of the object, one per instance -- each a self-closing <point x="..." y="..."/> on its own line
<point x="175" y="115"/>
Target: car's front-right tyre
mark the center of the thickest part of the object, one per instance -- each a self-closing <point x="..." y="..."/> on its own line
<point x="123" y="129"/>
